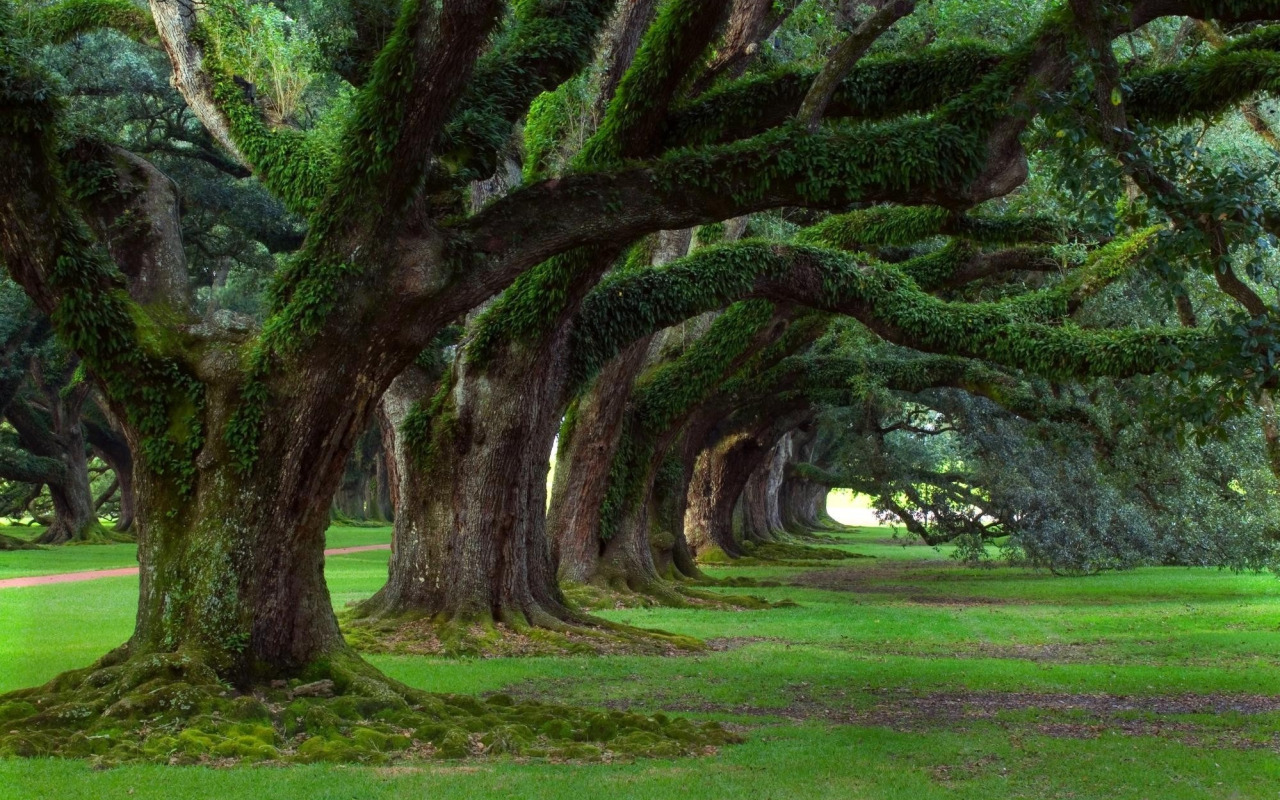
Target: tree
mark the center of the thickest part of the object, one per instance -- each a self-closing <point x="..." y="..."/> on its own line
<point x="240" y="434"/>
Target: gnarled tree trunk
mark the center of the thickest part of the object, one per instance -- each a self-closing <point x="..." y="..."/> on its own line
<point x="584" y="455"/>
<point x="470" y="536"/>
<point x="57" y="434"/>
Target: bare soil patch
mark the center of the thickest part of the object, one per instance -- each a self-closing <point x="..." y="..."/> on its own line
<point x="1059" y="715"/>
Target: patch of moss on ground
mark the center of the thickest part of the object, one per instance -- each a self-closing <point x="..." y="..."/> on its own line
<point x="591" y="597"/>
<point x="422" y="635"/>
<point x="172" y="709"/>
<point x="776" y="554"/>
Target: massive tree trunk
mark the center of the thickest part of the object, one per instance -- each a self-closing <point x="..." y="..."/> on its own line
<point x="470" y="536"/>
<point x="761" y="520"/>
<point x="802" y="502"/>
<point x="232" y="558"/>
<point x="667" y="504"/>
<point x="584" y="455"/>
<point x="721" y="473"/>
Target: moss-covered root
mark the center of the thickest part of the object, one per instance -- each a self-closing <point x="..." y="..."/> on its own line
<point x="420" y="634"/>
<point x="171" y="708"/>
<point x="8" y="542"/>
<point x="92" y="533"/>
<point x="591" y="597"/>
<point x="776" y="554"/>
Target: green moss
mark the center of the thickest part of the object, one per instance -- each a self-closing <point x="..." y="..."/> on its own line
<point x="171" y="709"/>
<point x="878" y="88"/>
<point x="1010" y="332"/>
<point x="63" y="21"/>
<point x="1208" y="84"/>
<point x="667" y="393"/>
<point x="546" y="44"/>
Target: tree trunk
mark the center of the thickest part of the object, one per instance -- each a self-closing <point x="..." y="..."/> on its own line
<point x="378" y="500"/>
<point x="59" y="435"/>
<point x="667" y="506"/>
<point x="761" y="521"/>
<point x="801" y="502"/>
<point x="232" y="560"/>
<point x="584" y="456"/>
<point x="109" y="443"/>
<point x="75" y="515"/>
<point x="722" y="471"/>
<point x="470" y="540"/>
<point x="712" y="496"/>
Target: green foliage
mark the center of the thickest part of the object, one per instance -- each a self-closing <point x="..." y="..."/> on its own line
<point x="668" y="392"/>
<point x="1207" y="85"/>
<point x="540" y="296"/>
<point x="1004" y="332"/>
<point x="556" y="125"/>
<point x="901" y="226"/>
<point x="878" y="88"/>
<point x="547" y="42"/>
<point x="94" y="316"/>
<point x="65" y="20"/>
<point x="258" y="43"/>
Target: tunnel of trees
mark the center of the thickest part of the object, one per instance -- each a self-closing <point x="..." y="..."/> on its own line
<point x="278" y="264"/>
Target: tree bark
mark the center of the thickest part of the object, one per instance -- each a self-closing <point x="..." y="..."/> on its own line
<point x="470" y="538"/>
<point x="110" y="445"/>
<point x="761" y="521"/>
<point x="722" y="471"/>
<point x="583" y="458"/>
<point x="57" y="433"/>
<point x="232" y="562"/>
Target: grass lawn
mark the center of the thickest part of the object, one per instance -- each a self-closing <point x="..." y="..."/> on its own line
<point x="79" y="558"/>
<point x="901" y="676"/>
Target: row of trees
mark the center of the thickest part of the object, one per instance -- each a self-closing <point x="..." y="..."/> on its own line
<point x="705" y="250"/>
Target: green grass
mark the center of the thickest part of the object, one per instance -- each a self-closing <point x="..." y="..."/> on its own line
<point x="832" y="694"/>
<point x="80" y="558"/>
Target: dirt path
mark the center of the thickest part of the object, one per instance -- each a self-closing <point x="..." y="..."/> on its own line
<point x="95" y="574"/>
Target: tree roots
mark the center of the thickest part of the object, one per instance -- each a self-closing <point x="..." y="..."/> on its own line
<point x="14" y="543"/>
<point x="422" y="634"/>
<point x="92" y="533"/>
<point x="172" y="708"/>
<point x="776" y="554"/>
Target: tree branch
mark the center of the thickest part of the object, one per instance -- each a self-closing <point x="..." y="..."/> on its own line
<point x="845" y="56"/>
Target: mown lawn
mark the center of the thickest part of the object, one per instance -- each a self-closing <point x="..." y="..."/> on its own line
<point x="80" y="558"/>
<point x="901" y="676"/>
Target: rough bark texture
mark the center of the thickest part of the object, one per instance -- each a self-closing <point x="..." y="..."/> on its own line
<point x="761" y="520"/>
<point x="110" y="445"/>
<point x="583" y="458"/>
<point x="721" y="474"/>
<point x="802" y="503"/>
<point x="470" y="539"/>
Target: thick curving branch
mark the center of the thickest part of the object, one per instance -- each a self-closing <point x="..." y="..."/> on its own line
<point x="1009" y="333"/>
<point x="63" y="21"/>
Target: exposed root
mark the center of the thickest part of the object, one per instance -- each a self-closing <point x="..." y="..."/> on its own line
<point x="420" y="634"/>
<point x="172" y="708"/>
<point x="8" y="542"/>
<point x="92" y="533"/>
<point x="777" y="554"/>
<point x="678" y="595"/>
